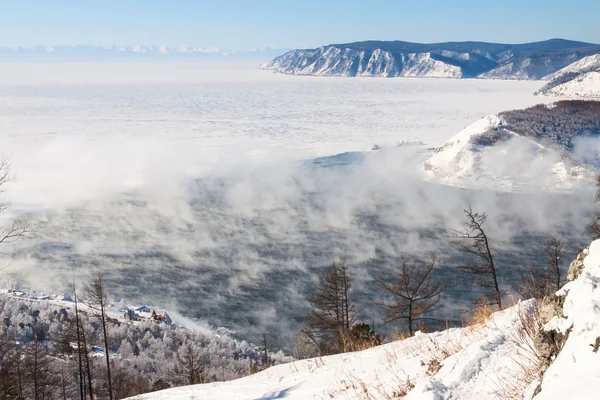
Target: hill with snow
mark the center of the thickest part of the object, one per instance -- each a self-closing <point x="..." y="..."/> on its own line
<point x="586" y="85"/>
<point x="496" y="358"/>
<point x="557" y="161"/>
<point x="580" y="79"/>
<point x="440" y="60"/>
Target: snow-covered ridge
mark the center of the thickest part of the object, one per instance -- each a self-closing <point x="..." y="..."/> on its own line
<point x="466" y="161"/>
<point x="580" y="79"/>
<point x="586" y="64"/>
<point x="585" y="85"/>
<point x="333" y="61"/>
<point x="443" y="60"/>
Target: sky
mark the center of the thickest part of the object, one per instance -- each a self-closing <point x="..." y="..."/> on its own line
<point x="249" y="24"/>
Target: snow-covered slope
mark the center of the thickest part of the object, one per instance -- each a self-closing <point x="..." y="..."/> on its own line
<point x="585" y="85"/>
<point x="448" y="60"/>
<point x="466" y="363"/>
<point x="575" y="373"/>
<point x="333" y="61"/>
<point x="580" y="79"/>
<point x="468" y="162"/>
<point x="586" y="64"/>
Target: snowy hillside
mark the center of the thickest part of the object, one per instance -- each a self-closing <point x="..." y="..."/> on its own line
<point x="477" y="156"/>
<point x="442" y="60"/>
<point x="333" y="61"/>
<point x="460" y="363"/>
<point x="586" y="64"/>
<point x="585" y="85"/>
<point x="580" y="79"/>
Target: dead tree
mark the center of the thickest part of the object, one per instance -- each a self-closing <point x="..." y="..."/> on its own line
<point x="538" y="282"/>
<point x="414" y="294"/>
<point x="594" y="226"/>
<point x="98" y="301"/>
<point x="332" y="314"/>
<point x="476" y="243"/>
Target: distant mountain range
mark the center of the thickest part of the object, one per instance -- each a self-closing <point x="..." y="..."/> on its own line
<point x="442" y="60"/>
<point x="129" y="52"/>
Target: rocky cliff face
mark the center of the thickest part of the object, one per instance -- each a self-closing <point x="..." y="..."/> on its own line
<point x="441" y="60"/>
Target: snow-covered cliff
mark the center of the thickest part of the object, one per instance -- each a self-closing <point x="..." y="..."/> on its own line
<point x="444" y="60"/>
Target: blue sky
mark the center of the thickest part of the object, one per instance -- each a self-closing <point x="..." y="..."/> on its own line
<point x="247" y="24"/>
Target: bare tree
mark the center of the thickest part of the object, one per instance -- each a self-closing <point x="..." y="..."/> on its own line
<point x="594" y="225"/>
<point x="332" y="314"/>
<point x="477" y="244"/>
<point x="189" y="363"/>
<point x="555" y="251"/>
<point x="19" y="227"/>
<point x="98" y="300"/>
<point x="414" y="294"/>
<point x="538" y="282"/>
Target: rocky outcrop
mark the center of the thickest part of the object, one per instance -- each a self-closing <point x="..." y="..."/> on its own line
<point x="576" y="266"/>
<point x="549" y="342"/>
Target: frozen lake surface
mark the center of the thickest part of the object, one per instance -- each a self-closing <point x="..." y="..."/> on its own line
<point x="185" y="184"/>
<point x="74" y="130"/>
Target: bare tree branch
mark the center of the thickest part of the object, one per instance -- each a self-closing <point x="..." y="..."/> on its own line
<point x="415" y="294"/>
<point x="477" y="244"/>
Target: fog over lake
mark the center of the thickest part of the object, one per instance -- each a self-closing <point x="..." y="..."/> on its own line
<point x="220" y="192"/>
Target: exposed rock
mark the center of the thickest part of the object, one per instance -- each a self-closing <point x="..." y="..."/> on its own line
<point x="550" y="342"/>
<point x="576" y="266"/>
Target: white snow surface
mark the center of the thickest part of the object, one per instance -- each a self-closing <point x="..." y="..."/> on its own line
<point x="575" y="374"/>
<point x="586" y="85"/>
<point x="462" y="163"/>
<point x="77" y="131"/>
<point x="475" y="363"/>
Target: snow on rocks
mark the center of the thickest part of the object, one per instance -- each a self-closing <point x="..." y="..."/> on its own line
<point x="575" y="373"/>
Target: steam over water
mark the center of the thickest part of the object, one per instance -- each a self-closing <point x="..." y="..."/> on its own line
<point x="201" y="189"/>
